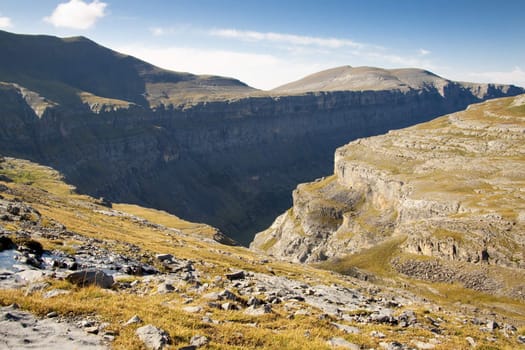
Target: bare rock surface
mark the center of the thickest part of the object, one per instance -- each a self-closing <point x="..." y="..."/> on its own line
<point x="22" y="330"/>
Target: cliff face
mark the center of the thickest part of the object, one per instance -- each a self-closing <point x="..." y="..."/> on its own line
<point x="208" y="149"/>
<point x="450" y="189"/>
<point x="229" y="163"/>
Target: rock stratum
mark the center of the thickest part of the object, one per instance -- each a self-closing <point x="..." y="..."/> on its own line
<point x="209" y="149"/>
<point x="450" y="194"/>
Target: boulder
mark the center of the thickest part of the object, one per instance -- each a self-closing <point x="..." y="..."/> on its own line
<point x="238" y="275"/>
<point x="153" y="338"/>
<point x="199" y="341"/>
<point x="91" y="277"/>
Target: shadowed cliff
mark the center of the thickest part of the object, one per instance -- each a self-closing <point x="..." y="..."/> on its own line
<point x="209" y="149"/>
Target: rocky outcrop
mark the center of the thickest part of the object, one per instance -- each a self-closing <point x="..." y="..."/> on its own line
<point x="209" y="149"/>
<point x="450" y="189"/>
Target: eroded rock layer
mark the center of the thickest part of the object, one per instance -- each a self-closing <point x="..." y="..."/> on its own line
<point x="452" y="188"/>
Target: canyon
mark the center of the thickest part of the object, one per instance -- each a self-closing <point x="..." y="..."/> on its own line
<point x="209" y="149"/>
<point x="441" y="201"/>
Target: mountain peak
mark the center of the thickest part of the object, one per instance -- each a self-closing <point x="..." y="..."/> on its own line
<point x="363" y="78"/>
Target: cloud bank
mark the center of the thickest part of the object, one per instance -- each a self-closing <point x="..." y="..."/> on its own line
<point x="516" y="76"/>
<point x="292" y="39"/>
<point x="77" y="14"/>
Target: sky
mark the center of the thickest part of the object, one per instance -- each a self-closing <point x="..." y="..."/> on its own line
<point x="268" y="43"/>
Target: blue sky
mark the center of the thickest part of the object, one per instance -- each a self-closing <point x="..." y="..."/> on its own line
<point x="268" y="43"/>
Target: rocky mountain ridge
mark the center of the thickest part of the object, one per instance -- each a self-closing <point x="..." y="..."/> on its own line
<point x="449" y="190"/>
<point x="209" y="149"/>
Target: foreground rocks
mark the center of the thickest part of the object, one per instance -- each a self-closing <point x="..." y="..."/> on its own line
<point x="21" y="330"/>
<point x="153" y="338"/>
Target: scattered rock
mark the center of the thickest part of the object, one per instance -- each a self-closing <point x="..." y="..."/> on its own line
<point x="258" y="311"/>
<point x="192" y="309"/>
<point x="423" y="346"/>
<point x="342" y="343"/>
<point x="54" y="293"/>
<point x="229" y="306"/>
<point x="392" y="346"/>
<point x="521" y="339"/>
<point x="91" y="330"/>
<point x="164" y="257"/>
<point x="471" y="341"/>
<point x="153" y="338"/>
<point x="238" y="275"/>
<point x="492" y="325"/>
<point x="52" y="314"/>
<point x="199" y="341"/>
<point x="165" y="288"/>
<point x="345" y="328"/>
<point x="377" y="334"/>
<point x="135" y="319"/>
<point x="407" y="318"/>
<point x="91" y="277"/>
<point x="214" y="296"/>
<point x="253" y="301"/>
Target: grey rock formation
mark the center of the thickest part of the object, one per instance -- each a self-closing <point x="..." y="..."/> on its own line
<point x="449" y="189"/>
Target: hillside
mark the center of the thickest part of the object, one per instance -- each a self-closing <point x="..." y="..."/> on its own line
<point x="63" y="69"/>
<point x="208" y="149"/>
<point x="169" y="278"/>
<point x="442" y="201"/>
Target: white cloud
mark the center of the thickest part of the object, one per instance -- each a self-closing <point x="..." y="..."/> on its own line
<point x="5" y="22"/>
<point x="319" y="48"/>
<point x="262" y="71"/>
<point x="77" y="14"/>
<point x="515" y="76"/>
<point x="291" y="39"/>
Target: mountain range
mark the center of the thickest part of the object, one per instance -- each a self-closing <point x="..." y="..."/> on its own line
<point x="207" y="148"/>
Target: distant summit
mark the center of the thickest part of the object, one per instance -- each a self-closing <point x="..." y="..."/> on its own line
<point x="347" y="78"/>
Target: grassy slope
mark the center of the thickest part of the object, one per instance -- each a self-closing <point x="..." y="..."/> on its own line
<point x="43" y="189"/>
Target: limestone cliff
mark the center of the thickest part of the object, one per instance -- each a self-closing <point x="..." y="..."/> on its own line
<point x="452" y="189"/>
<point x="209" y="149"/>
